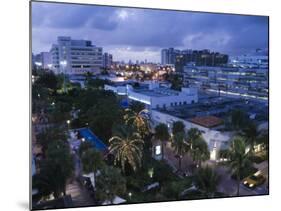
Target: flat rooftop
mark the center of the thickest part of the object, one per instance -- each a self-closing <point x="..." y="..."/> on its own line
<point x="220" y="107"/>
<point x="157" y="92"/>
<point x="207" y="121"/>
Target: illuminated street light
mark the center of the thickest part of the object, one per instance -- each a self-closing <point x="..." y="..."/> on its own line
<point x="130" y="195"/>
<point x="83" y="139"/>
<point x="68" y="121"/>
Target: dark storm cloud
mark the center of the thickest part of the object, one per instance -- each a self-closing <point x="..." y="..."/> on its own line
<point x="68" y="16"/>
<point x="148" y="29"/>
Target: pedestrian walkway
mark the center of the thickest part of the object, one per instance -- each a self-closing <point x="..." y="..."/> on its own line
<point x="80" y="196"/>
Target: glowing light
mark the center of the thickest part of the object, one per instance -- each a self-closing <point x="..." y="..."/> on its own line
<point x="63" y="63"/>
<point x="158" y="150"/>
<point x="38" y="63"/>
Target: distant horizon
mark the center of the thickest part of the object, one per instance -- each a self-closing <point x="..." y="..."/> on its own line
<point x="139" y="34"/>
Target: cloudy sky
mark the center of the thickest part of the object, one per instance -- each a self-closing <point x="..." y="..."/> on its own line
<point x="139" y="34"/>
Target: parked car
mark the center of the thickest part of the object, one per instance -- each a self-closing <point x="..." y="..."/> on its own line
<point x="254" y="180"/>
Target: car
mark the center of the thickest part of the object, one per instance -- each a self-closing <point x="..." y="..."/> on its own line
<point x="254" y="180"/>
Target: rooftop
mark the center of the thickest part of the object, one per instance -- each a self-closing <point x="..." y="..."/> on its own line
<point x="220" y="107"/>
<point x="157" y="92"/>
<point x="207" y="121"/>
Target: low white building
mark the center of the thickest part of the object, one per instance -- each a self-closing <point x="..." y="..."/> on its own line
<point x="162" y="97"/>
<point x="209" y="125"/>
<point x="155" y="96"/>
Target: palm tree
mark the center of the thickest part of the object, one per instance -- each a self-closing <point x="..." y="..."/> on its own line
<point x="92" y="160"/>
<point x="251" y="134"/>
<point x="238" y="119"/>
<point x="178" y="127"/>
<point x="138" y="120"/>
<point x="127" y="146"/>
<point x="162" y="134"/>
<point x="193" y="134"/>
<point x="180" y="146"/>
<point x="200" y="151"/>
<point x="110" y="183"/>
<point x="238" y="159"/>
<point x="207" y="181"/>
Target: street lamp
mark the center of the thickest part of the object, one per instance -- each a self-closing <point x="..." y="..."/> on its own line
<point x="63" y="64"/>
<point x="68" y="122"/>
<point x="130" y="195"/>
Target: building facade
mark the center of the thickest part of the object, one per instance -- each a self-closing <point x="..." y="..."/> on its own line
<point x="168" y="56"/>
<point x="200" y="58"/>
<point x="236" y="81"/>
<point x="42" y="60"/>
<point x="75" y="56"/>
<point x="107" y="60"/>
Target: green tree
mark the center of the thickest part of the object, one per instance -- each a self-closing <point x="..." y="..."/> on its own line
<point x="238" y="119"/>
<point x="162" y="134"/>
<point x="238" y="159"/>
<point x="176" y="81"/>
<point x="200" y="151"/>
<point x="251" y="135"/>
<point x="48" y="80"/>
<point x="103" y="115"/>
<point x="180" y="146"/>
<point x="178" y="127"/>
<point x="137" y="106"/>
<point x="110" y="183"/>
<point x="127" y="147"/>
<point x="49" y="135"/>
<point x="55" y="170"/>
<point x="92" y="160"/>
<point x="207" y="181"/>
<point x="84" y="146"/>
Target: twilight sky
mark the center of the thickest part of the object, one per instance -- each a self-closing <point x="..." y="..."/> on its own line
<point x="140" y="34"/>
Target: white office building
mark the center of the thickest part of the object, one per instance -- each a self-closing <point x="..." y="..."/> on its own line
<point x="155" y="95"/>
<point x="75" y="56"/>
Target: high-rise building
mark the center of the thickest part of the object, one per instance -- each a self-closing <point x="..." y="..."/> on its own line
<point x="236" y="81"/>
<point x="168" y="56"/>
<point x="42" y="60"/>
<point x="200" y="58"/>
<point x="106" y="60"/>
<point x="75" y="56"/>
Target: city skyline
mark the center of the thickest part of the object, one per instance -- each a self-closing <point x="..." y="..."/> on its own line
<point x="108" y="27"/>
